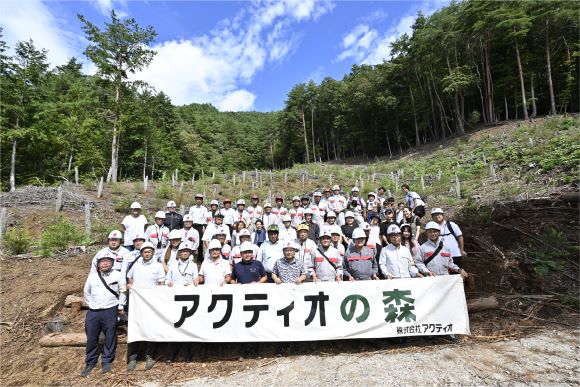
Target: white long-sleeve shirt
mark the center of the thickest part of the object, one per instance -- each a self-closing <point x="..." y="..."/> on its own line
<point x="198" y="214"/>
<point x="397" y="262"/>
<point x="119" y="254"/>
<point x="96" y="294"/>
<point x="269" y="253"/>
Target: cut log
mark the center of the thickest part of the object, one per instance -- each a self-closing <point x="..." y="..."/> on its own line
<point x="77" y="339"/>
<point x="484" y="303"/>
<point x="68" y="301"/>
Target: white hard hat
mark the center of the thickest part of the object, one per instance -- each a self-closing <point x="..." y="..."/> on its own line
<point x="214" y="202"/>
<point x="240" y="201"/>
<point x="160" y="215"/>
<point x="267" y="205"/>
<point x="437" y="210"/>
<point x="365" y="226"/>
<point x="175" y="234"/>
<point x="139" y="235"/>
<point x="335" y="187"/>
<point x="432" y="226"/>
<point x="308" y="211"/>
<point x="135" y="205"/>
<point x="296" y="198"/>
<point x="107" y="255"/>
<point x="244" y="232"/>
<point x="214" y="244"/>
<point x="331" y="214"/>
<point x="287" y="218"/>
<point x="393" y="229"/>
<point x="185" y="246"/>
<point x="246" y="246"/>
<point x="325" y="232"/>
<point x="147" y="245"/>
<point x="317" y="193"/>
<point x="358" y="233"/>
<point x="372" y="194"/>
<point x="115" y="234"/>
<point x="335" y="229"/>
<point x="187" y="218"/>
<point x="355" y="189"/>
<point x="349" y="214"/>
<point x="290" y="245"/>
<point x="171" y="203"/>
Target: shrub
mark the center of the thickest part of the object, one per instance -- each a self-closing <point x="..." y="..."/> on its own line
<point x="164" y="191"/>
<point x="122" y="205"/>
<point x="101" y="230"/>
<point x="61" y="235"/>
<point x="17" y="240"/>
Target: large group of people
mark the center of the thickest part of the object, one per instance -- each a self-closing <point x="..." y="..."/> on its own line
<point x="323" y="237"/>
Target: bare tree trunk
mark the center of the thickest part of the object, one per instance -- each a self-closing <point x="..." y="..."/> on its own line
<point x="13" y="165"/>
<point x="489" y="86"/>
<point x="534" y="110"/>
<point x="145" y="161"/>
<point x="522" y="86"/>
<point x="507" y="116"/>
<point x="114" y="146"/>
<point x="389" y="144"/>
<point x="549" y="70"/>
<point x="305" y="137"/>
<point x="417" y="139"/>
<point x="312" y="129"/>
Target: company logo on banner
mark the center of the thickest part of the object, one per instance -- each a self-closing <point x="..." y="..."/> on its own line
<point x="309" y="311"/>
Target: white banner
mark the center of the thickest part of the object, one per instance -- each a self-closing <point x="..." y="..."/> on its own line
<point x="305" y="312"/>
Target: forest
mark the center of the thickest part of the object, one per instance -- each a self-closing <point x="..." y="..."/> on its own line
<point x="469" y="64"/>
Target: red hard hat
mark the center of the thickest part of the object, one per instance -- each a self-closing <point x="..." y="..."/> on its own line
<point x="254" y="196"/>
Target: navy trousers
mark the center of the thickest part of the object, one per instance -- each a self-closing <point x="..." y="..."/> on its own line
<point x="97" y="321"/>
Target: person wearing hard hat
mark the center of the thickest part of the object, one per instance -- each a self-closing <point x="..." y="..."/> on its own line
<point x="327" y="265"/>
<point x="305" y="246"/>
<point x="370" y="242"/>
<point x="236" y="254"/>
<point x="132" y="224"/>
<point x="212" y="212"/>
<point x="169" y="254"/>
<point x="330" y="221"/>
<point x="199" y="216"/>
<point x="103" y="293"/>
<point x="271" y="250"/>
<point x="113" y="247"/>
<point x="336" y="239"/>
<point x="269" y="217"/>
<point x="216" y="270"/>
<point x="229" y="214"/>
<point x="287" y="232"/>
<point x="241" y="213"/>
<point x="451" y="235"/>
<point x="189" y="234"/>
<point x="373" y="206"/>
<point x="318" y="210"/>
<point x="434" y="257"/>
<point x="289" y="269"/>
<point x="313" y="228"/>
<point x="359" y="261"/>
<point x="279" y="210"/>
<point x="220" y="235"/>
<point x="132" y="256"/>
<point x="255" y="211"/>
<point x="337" y="203"/>
<point x="389" y="215"/>
<point x="396" y="260"/>
<point x="324" y="200"/>
<point x="296" y="212"/>
<point x="145" y="273"/>
<point x="349" y="227"/>
<point x="173" y="219"/>
<point x="305" y="201"/>
<point x="158" y="234"/>
<point x="356" y="204"/>
<point x="248" y="270"/>
<point x="211" y="230"/>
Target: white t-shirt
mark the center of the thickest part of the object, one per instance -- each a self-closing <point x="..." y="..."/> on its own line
<point x="214" y="272"/>
<point x="449" y="240"/>
<point x="132" y="227"/>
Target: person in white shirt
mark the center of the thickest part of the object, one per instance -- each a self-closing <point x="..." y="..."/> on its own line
<point x="337" y="203"/>
<point x="190" y="234"/>
<point x="336" y="240"/>
<point x="296" y="212"/>
<point x="236" y="255"/>
<point x="414" y="201"/>
<point x="287" y="232"/>
<point x="211" y="230"/>
<point x="104" y="294"/>
<point x="229" y="214"/>
<point x="451" y="235"/>
<point x="114" y="247"/>
<point x="198" y="214"/>
<point x="280" y="211"/>
<point x="212" y="212"/>
<point x="216" y="270"/>
<point x="270" y="251"/>
<point x="145" y="273"/>
<point x="269" y="217"/>
<point x="169" y="254"/>
<point x="132" y="256"/>
<point x="132" y="224"/>
<point x="255" y="211"/>
<point x="241" y="213"/>
<point x="220" y="235"/>
<point x="395" y="260"/>
<point x="158" y="233"/>
<point x="318" y="210"/>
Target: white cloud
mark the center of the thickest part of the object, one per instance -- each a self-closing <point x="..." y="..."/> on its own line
<point x="366" y="45"/>
<point x="105" y="7"/>
<point x="216" y="66"/>
<point x="31" y="19"/>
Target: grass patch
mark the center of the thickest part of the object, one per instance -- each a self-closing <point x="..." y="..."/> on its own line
<point x="61" y="235"/>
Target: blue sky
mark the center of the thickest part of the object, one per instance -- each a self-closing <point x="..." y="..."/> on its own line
<point x="237" y="55"/>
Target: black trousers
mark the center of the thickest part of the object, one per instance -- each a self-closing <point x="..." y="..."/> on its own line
<point x="199" y="229"/>
<point x="97" y="321"/>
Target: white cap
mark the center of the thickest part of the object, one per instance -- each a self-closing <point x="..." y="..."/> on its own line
<point x="171" y="203"/>
<point x="244" y="232"/>
<point x="220" y="231"/>
<point x="393" y="229"/>
<point x="355" y="189"/>
<point x="147" y="245"/>
<point x="335" y="229"/>
<point x="240" y="201"/>
<point x="325" y="232"/>
<point x="115" y="234"/>
<point x="437" y="210"/>
<point x="135" y="205"/>
<point x="335" y="187"/>
<point x="365" y="226"/>
<point x="185" y="246"/>
<point x="372" y="194"/>
<point x="432" y="226"/>
<point x="214" y="202"/>
<point x="246" y="246"/>
<point x="317" y="193"/>
<point x="267" y="205"/>
<point x="214" y="244"/>
<point x="139" y="235"/>
<point x="174" y="234"/>
<point x="296" y="198"/>
<point x="331" y="214"/>
<point x="187" y="218"/>
<point x="358" y="233"/>
<point x="287" y="218"/>
<point x="160" y="214"/>
<point x="349" y="214"/>
<point x="308" y="211"/>
<point x="290" y="245"/>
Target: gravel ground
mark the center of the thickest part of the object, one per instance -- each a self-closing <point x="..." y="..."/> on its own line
<point x="549" y="357"/>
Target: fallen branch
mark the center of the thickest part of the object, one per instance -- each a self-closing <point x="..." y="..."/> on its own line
<point x="484" y="303"/>
<point x="71" y="340"/>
